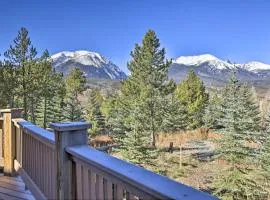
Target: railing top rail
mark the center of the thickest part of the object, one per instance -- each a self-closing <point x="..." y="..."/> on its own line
<point x="17" y="120"/>
<point x="41" y="134"/>
<point x="137" y="176"/>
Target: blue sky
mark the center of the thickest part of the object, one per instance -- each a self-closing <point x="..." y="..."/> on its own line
<point x="238" y="30"/>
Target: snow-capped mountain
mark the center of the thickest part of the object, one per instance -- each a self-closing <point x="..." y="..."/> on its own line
<point x="212" y="61"/>
<point x="213" y="70"/>
<point x="92" y="64"/>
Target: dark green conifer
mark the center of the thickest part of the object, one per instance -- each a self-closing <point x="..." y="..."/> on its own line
<point x="192" y="93"/>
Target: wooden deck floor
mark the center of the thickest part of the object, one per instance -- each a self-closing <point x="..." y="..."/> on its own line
<point x="13" y="188"/>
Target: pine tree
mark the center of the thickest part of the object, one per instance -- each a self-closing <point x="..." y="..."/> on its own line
<point x="8" y="85"/>
<point x="135" y="145"/>
<point x="73" y="111"/>
<point x="50" y="108"/>
<point x="93" y="112"/>
<point x="22" y="55"/>
<point x="192" y="93"/>
<point x="263" y="172"/>
<point x="212" y="112"/>
<point x="75" y="84"/>
<point x="147" y="85"/>
<point x="113" y="114"/>
<point x="175" y="117"/>
<point x="238" y="133"/>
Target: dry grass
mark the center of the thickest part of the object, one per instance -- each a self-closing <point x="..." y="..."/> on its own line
<point x="101" y="140"/>
<point x="182" y="137"/>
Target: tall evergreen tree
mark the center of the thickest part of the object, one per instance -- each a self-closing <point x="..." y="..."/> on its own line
<point x="263" y="172"/>
<point x="146" y="86"/>
<point x="22" y="55"/>
<point x="51" y="85"/>
<point x="113" y="114"/>
<point x="93" y="112"/>
<point x="192" y="93"/>
<point x="238" y="133"/>
<point x="212" y="112"/>
<point x="75" y="84"/>
<point x="175" y="117"/>
<point x="135" y="145"/>
<point x="8" y="85"/>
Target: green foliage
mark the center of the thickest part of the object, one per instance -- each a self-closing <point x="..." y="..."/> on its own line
<point x="22" y="55"/>
<point x="8" y="85"/>
<point x="175" y="117"/>
<point x="75" y="85"/>
<point x="240" y="122"/>
<point x="262" y="174"/>
<point x="147" y="85"/>
<point x="113" y="114"/>
<point x="30" y="82"/>
<point x="191" y="92"/>
<point x="75" y="82"/>
<point x="212" y="112"/>
<point x="135" y="145"/>
<point x="73" y="109"/>
<point x="52" y="91"/>
<point x="93" y="112"/>
<point x="135" y="113"/>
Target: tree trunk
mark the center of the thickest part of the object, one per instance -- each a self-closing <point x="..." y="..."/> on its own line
<point x="33" y="110"/>
<point x="24" y="94"/>
<point x="45" y="113"/>
<point x="153" y="139"/>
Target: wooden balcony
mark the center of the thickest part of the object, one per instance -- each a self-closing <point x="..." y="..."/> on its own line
<point x="60" y="165"/>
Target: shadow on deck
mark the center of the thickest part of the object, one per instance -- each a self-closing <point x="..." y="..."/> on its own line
<point x="13" y="188"/>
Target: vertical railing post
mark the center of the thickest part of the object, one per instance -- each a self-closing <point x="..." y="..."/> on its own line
<point x="67" y="134"/>
<point x="9" y="139"/>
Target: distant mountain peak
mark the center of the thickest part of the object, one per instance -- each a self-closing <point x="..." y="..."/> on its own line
<point x="255" y="66"/>
<point x="213" y="70"/>
<point x="198" y="60"/>
<point x="91" y="63"/>
<point x="195" y="58"/>
<point x="217" y="63"/>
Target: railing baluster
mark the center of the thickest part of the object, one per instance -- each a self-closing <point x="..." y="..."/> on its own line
<point x="119" y="192"/>
<point x="79" y="181"/>
<point x="99" y="183"/>
<point x="45" y="163"/>
<point x="86" y="188"/>
<point x="109" y="190"/>
<point x="93" y="185"/>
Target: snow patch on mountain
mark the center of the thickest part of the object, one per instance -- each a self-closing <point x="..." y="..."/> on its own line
<point x="219" y="64"/>
<point x="256" y="66"/>
<point x="91" y="63"/>
<point x="209" y="59"/>
<point x="84" y="57"/>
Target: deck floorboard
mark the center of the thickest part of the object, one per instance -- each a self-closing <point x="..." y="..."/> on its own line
<point x="13" y="188"/>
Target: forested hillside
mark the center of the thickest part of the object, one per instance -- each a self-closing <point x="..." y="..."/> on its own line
<point x="154" y="121"/>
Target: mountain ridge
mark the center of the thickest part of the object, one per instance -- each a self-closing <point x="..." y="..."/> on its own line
<point x="202" y="58"/>
<point x="215" y="71"/>
<point x="93" y="64"/>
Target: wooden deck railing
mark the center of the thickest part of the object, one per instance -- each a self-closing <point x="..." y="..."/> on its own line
<point x="60" y="165"/>
<point x="35" y="158"/>
<point x="1" y="142"/>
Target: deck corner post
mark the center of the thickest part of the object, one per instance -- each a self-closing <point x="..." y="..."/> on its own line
<point x="67" y="134"/>
<point x="9" y="139"/>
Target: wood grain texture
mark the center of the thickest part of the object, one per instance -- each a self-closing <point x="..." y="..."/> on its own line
<point x="13" y="188"/>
